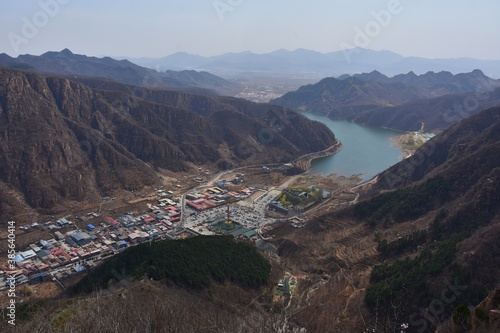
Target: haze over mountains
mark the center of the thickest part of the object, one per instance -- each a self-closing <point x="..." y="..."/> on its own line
<point x="67" y="63"/>
<point x="312" y="63"/>
<point x="367" y="98"/>
<point x="259" y="183"/>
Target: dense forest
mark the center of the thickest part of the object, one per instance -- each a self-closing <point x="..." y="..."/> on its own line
<point x="192" y="262"/>
<point x="421" y="267"/>
<point x="403" y="204"/>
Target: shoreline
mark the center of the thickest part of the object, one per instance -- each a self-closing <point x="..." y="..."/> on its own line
<point x="410" y="142"/>
<point x="398" y="142"/>
<point x="304" y="162"/>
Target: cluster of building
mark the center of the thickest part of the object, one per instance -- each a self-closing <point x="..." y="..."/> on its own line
<point x="262" y="95"/>
<point x="77" y="245"/>
<point x="303" y="197"/>
<point x="280" y="208"/>
<point x="81" y="242"/>
<point x="218" y="195"/>
<point x="286" y="288"/>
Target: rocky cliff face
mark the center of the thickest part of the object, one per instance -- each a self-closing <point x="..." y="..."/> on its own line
<point x="64" y="140"/>
<point x="486" y="317"/>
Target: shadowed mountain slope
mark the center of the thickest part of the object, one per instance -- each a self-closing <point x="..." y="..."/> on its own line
<point x="402" y="102"/>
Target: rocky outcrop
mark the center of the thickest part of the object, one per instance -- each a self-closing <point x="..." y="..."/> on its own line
<point x="486" y="316"/>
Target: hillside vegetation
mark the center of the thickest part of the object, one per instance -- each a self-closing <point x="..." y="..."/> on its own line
<point x="200" y="284"/>
<point x="192" y="262"/>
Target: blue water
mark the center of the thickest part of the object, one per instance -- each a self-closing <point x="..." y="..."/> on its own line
<point x="367" y="150"/>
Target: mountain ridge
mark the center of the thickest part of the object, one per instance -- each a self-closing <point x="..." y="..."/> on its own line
<point x="334" y="63"/>
<point x="67" y="63"/>
<point x="402" y="102"/>
<point x="434" y="84"/>
<point x="435" y="114"/>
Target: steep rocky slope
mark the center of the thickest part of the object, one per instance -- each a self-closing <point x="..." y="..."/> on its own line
<point x="465" y="157"/>
<point x="64" y="140"/>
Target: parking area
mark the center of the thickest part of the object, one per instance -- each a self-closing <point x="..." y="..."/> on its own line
<point x="249" y="213"/>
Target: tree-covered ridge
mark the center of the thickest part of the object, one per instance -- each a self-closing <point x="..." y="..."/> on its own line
<point x="408" y="285"/>
<point x="404" y="204"/>
<point x="191" y="262"/>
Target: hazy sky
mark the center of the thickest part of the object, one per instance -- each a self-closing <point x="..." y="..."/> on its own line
<point x="155" y="28"/>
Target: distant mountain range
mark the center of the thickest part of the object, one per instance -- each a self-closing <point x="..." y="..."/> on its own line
<point x="74" y="65"/>
<point x="433" y="84"/>
<point x="307" y="62"/>
<point x="401" y="102"/>
<point x="64" y="141"/>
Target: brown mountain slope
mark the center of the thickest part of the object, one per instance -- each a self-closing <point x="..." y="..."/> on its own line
<point x="338" y="258"/>
<point x="148" y="306"/>
<point x="436" y="113"/>
<point x="346" y="98"/>
<point x="466" y="149"/>
<point x="64" y="140"/>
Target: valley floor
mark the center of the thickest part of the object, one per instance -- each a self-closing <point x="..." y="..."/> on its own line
<point x="251" y="212"/>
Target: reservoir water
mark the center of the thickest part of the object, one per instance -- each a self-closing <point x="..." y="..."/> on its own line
<point x="367" y="150"/>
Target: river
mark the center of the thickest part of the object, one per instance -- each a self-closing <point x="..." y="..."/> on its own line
<point x="367" y="150"/>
